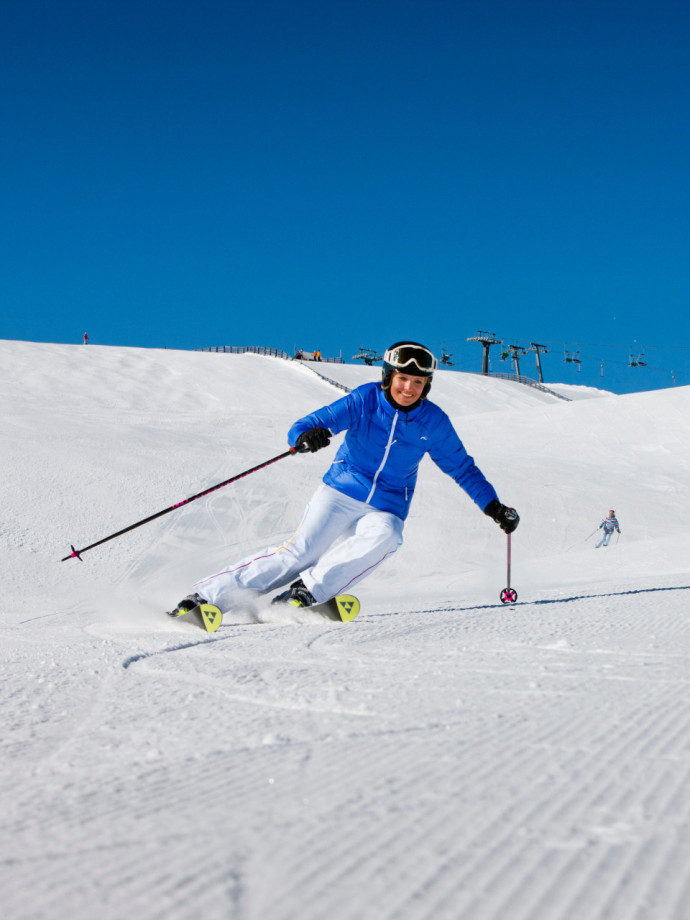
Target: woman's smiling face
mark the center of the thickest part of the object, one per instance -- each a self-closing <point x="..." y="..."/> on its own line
<point x="406" y="389"/>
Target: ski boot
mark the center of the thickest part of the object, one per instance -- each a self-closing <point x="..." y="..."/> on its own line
<point x="206" y="615"/>
<point x="186" y="604"/>
<point x="297" y="595"/>
<point x="343" y="608"/>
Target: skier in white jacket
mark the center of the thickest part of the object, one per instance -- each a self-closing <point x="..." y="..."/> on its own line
<point x="355" y="519"/>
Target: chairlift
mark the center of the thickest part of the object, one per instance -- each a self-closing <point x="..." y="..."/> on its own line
<point x="368" y="355"/>
<point x="446" y="356"/>
<point x="639" y="361"/>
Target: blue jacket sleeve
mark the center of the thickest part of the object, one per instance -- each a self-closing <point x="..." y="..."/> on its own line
<point x="336" y="417"/>
<point x="449" y="454"/>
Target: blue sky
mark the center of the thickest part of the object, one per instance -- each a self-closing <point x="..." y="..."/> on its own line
<point x="336" y="173"/>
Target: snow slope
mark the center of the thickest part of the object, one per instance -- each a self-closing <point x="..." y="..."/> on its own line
<point x="443" y="756"/>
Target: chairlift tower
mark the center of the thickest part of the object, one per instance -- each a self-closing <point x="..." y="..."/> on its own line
<point x="537" y="349"/>
<point x="516" y="352"/>
<point x="487" y="339"/>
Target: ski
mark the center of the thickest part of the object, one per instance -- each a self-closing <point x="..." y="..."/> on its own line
<point x="343" y="608"/>
<point x="208" y="616"/>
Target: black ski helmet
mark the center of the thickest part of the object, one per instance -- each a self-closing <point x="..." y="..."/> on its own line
<point x="408" y="357"/>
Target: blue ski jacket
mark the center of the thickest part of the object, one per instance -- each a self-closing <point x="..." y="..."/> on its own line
<point x="378" y="460"/>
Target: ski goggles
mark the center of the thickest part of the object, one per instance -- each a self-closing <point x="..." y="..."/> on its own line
<point x="404" y="355"/>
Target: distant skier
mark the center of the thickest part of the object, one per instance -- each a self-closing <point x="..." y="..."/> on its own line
<point x="355" y="519"/>
<point x="609" y="524"/>
<point x="86" y="339"/>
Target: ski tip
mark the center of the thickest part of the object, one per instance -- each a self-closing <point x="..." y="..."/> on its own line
<point x="348" y="607"/>
<point x="211" y="616"/>
<point x="208" y="616"/>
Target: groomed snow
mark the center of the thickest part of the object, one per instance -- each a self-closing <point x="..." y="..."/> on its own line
<point x="441" y="757"/>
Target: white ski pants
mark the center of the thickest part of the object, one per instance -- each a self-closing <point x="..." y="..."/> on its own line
<point x="605" y="537"/>
<point x="327" y="564"/>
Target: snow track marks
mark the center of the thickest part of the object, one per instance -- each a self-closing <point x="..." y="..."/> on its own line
<point x="523" y="764"/>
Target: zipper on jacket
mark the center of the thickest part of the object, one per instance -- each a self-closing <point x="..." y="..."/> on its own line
<point x="385" y="457"/>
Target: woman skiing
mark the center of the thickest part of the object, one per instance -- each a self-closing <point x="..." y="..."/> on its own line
<point x="366" y="493"/>
<point x="608" y="525"/>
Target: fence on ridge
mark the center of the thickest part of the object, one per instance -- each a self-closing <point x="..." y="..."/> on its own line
<point x="309" y="362"/>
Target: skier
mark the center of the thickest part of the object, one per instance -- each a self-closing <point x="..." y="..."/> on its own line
<point x="609" y="524"/>
<point x="366" y="493"/>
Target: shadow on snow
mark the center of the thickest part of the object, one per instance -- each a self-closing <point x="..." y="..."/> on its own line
<point x="550" y="600"/>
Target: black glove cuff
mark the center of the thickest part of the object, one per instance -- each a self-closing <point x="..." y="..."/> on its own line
<point x="493" y="508"/>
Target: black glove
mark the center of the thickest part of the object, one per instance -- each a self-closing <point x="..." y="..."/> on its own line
<point x="506" y="518"/>
<point x="313" y="440"/>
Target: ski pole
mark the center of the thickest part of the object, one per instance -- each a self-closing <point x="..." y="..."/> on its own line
<point x="509" y="595"/>
<point x="76" y="553"/>
<point x="584" y="541"/>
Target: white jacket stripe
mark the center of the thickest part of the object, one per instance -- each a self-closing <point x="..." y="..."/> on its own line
<point x="385" y="457"/>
